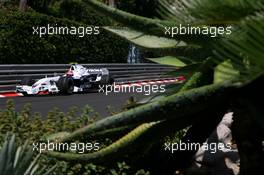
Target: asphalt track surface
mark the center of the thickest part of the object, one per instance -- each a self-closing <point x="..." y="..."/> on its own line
<point x="98" y="101"/>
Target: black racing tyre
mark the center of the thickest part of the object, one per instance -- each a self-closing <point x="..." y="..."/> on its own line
<point x="111" y="81"/>
<point x="25" y="94"/>
<point x="65" y="85"/>
<point x="27" y="81"/>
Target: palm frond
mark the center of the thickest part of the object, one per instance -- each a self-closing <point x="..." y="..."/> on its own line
<point x="168" y="60"/>
<point x="143" y="40"/>
<point x="134" y="21"/>
<point x="246" y="49"/>
<point x="208" y="12"/>
<point x="18" y="160"/>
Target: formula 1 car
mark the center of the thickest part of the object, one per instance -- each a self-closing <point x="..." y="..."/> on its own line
<point x="77" y="79"/>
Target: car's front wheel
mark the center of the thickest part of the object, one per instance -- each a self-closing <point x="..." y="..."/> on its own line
<point x="25" y="94"/>
<point x="65" y="85"/>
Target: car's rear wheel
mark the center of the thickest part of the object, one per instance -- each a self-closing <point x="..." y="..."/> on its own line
<point x="25" y="94"/>
<point x="111" y="81"/>
<point x="65" y="85"/>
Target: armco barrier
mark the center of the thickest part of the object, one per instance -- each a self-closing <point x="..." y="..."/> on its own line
<point x="12" y="74"/>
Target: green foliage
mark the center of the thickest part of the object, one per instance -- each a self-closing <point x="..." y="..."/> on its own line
<point x="246" y="28"/>
<point x="19" y="45"/>
<point x="179" y="109"/>
<point x="20" y="160"/>
<point x="225" y="71"/>
<point x="143" y="40"/>
<point x="160" y="111"/>
<point x="119" y="168"/>
<point x="34" y="128"/>
<point x="138" y="22"/>
<point x="40" y="5"/>
<point x="235" y="61"/>
<point x="77" y="10"/>
<point x="106" y="154"/>
<point x="139" y="7"/>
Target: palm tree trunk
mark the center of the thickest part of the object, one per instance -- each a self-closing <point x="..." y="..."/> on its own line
<point x="112" y="3"/>
<point x="23" y="5"/>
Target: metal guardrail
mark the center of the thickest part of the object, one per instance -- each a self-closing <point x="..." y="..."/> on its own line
<point x="12" y="74"/>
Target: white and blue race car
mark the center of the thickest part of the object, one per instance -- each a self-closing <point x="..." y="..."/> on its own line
<point x="77" y="79"/>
